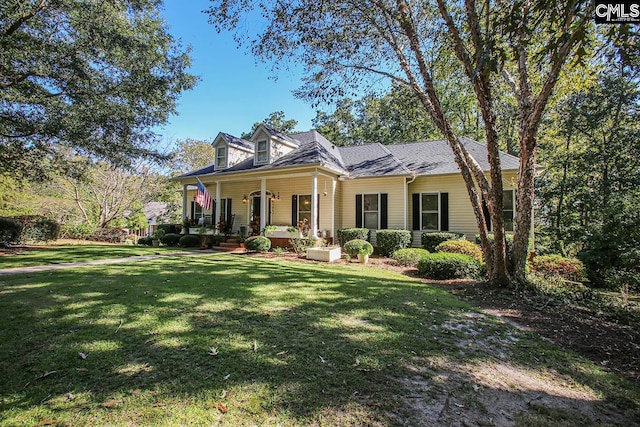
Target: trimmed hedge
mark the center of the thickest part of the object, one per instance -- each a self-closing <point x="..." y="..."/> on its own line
<point x="10" y="230"/>
<point x="37" y="228"/>
<point x="109" y="234"/>
<point x="257" y="243"/>
<point x="189" y="241"/>
<point x="82" y="231"/>
<point x="409" y="256"/>
<point x="557" y="265"/>
<point x="170" y="228"/>
<point x="389" y="241"/>
<point x="432" y="239"/>
<point x="353" y="247"/>
<point x="347" y="234"/>
<point x="146" y="241"/>
<point x="444" y="266"/>
<point x="461" y="247"/>
<point x="171" y="239"/>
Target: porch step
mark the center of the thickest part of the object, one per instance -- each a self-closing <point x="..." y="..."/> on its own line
<point x="229" y="244"/>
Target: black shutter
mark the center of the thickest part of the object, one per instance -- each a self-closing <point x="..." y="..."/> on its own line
<point x="444" y="211"/>
<point x="487" y="215"/>
<point x="213" y="212"/>
<point x="358" y="210"/>
<point x="228" y="216"/>
<point x="415" y="197"/>
<point x="294" y="210"/>
<point x="383" y="211"/>
<point x="318" y="210"/>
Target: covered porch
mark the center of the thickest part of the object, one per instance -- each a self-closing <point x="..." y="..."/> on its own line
<point x="281" y="199"/>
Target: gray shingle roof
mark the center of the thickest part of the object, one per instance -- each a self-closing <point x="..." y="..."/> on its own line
<point x="283" y="136"/>
<point x="238" y="142"/>
<point x="369" y="160"/>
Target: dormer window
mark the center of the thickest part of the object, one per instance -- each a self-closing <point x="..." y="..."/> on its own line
<point x="262" y="152"/>
<point x="221" y="157"/>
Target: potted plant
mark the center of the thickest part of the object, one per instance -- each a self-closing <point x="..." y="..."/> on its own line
<point x="241" y="238"/>
<point x="363" y="255"/>
<point x="157" y="236"/>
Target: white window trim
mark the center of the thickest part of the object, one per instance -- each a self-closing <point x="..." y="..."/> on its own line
<point x="310" y="211"/>
<point x="513" y="207"/>
<point x="267" y="151"/>
<point x="218" y="157"/>
<point x="378" y="211"/>
<point x="430" y="193"/>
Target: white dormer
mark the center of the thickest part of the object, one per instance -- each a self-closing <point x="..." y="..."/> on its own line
<point x="229" y="151"/>
<point x="270" y="145"/>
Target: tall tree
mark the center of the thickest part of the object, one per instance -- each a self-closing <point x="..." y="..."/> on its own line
<point x="192" y="154"/>
<point x="346" y="44"/>
<point x="93" y="75"/>
<point x="277" y="121"/>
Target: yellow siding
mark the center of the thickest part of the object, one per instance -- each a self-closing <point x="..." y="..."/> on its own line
<point x="393" y="186"/>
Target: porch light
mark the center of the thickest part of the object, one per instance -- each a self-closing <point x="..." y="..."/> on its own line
<point x="275" y="198"/>
<point x="245" y="199"/>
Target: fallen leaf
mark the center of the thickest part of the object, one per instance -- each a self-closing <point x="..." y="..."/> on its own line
<point x="46" y="374"/>
<point x="255" y="345"/>
<point x="213" y="351"/>
<point x="223" y="394"/>
<point x="82" y="355"/>
<point x="48" y="423"/>
<point x="222" y="407"/>
<point x="226" y="377"/>
<point x="81" y="369"/>
<point x="110" y="404"/>
<point x="322" y="359"/>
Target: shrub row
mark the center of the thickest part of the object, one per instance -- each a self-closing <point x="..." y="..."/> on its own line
<point x="28" y="228"/>
<point x="464" y="247"/>
<point x="77" y="231"/>
<point x="109" y="235"/>
<point x="558" y="266"/>
<point x="409" y="256"/>
<point x="443" y="266"/>
<point x="170" y="228"/>
<point x="431" y="240"/>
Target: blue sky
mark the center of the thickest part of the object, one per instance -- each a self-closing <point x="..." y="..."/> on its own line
<point x="234" y="91"/>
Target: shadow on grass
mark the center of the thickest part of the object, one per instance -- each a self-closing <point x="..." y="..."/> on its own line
<point x="292" y="342"/>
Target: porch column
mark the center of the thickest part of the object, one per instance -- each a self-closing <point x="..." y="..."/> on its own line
<point x="314" y="204"/>
<point x="216" y="214"/>
<point x="263" y="203"/>
<point x="184" y="202"/>
<point x="334" y="182"/>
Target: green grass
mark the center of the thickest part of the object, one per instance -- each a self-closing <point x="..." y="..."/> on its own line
<point x="295" y="344"/>
<point x="78" y="253"/>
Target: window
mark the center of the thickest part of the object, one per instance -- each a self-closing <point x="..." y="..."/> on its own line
<point x="304" y="208"/>
<point x="221" y="157"/>
<point x="262" y="152"/>
<point x="196" y="211"/>
<point x="370" y="211"/>
<point x="509" y="207"/>
<point x="430" y="211"/>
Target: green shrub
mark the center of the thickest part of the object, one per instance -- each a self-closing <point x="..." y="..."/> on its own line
<point x="170" y="228"/>
<point x="508" y="237"/>
<point x="389" y="241"/>
<point x="216" y="239"/>
<point x="444" y="266"/>
<point x="409" y="256"/>
<point x="432" y="239"/>
<point x="146" y="241"/>
<point x="461" y="247"/>
<point x="358" y="246"/>
<point x="82" y="231"/>
<point x="347" y="234"/>
<point x="258" y="243"/>
<point x="189" y="241"/>
<point x="300" y="245"/>
<point x="557" y="265"/>
<point x="37" y="228"/>
<point x="10" y="230"/>
<point x="171" y="239"/>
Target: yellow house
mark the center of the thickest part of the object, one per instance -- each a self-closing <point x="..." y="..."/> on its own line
<point x="279" y="179"/>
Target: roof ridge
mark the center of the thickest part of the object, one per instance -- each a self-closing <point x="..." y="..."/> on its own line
<point x="395" y="158"/>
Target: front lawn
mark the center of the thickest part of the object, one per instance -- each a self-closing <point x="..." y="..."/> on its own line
<point x="44" y="255"/>
<point x="238" y="340"/>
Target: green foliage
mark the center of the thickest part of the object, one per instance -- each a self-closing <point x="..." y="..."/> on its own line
<point x="432" y="239"/>
<point x="95" y="76"/>
<point x="170" y="228"/>
<point x="557" y="265"/>
<point x="192" y="154"/>
<point x="10" y="230"/>
<point x="109" y="234"/>
<point x="37" y="228"/>
<point x="347" y="234"/>
<point x="145" y="241"/>
<point x="358" y="247"/>
<point x="445" y="266"/>
<point x="300" y="245"/>
<point x="189" y="241"/>
<point x="171" y="239"/>
<point x="409" y="256"/>
<point x="82" y="231"/>
<point x="276" y="121"/>
<point x="389" y="241"/>
<point x="257" y="243"/>
<point x="461" y="247"/>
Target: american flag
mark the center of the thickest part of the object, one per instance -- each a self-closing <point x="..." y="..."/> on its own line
<point x="203" y="198"/>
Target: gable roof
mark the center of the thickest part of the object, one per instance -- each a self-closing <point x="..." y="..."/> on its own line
<point x="368" y="160"/>
<point x="240" y="143"/>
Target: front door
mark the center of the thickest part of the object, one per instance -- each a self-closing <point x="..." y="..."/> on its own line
<point x="255" y="210"/>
